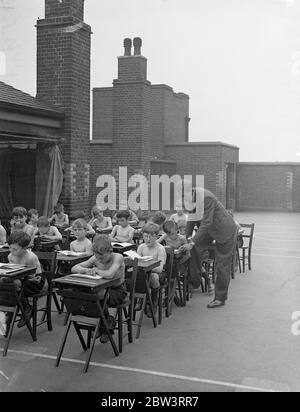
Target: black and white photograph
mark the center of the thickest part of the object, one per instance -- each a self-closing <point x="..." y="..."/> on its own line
<point x="149" y="199"/>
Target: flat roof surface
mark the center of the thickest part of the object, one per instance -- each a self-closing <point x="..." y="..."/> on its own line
<point x="248" y="345"/>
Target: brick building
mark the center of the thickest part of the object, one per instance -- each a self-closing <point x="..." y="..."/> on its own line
<point x="63" y="79"/>
<point x="146" y="128"/>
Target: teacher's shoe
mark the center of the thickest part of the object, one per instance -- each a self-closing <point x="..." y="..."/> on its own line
<point x="216" y="304"/>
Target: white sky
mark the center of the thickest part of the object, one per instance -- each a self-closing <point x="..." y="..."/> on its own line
<point x="239" y="60"/>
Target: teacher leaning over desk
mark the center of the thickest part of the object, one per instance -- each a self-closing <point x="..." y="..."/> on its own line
<point x="216" y="225"/>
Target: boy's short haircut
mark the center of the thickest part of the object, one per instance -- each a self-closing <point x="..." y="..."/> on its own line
<point x="19" y="238"/>
<point x="144" y="216"/>
<point x="19" y="211"/>
<point x="59" y="208"/>
<point x="102" y="244"/>
<point x="43" y="222"/>
<point x="79" y="214"/>
<point x="32" y="212"/>
<point x="169" y="226"/>
<point x="79" y="224"/>
<point x="96" y="209"/>
<point x="123" y="214"/>
<point x="151" y="229"/>
<point x="159" y="218"/>
<point x="181" y="224"/>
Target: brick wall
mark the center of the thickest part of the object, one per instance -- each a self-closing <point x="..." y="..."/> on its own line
<point x="132" y="68"/>
<point x="103" y="113"/>
<point x="152" y="128"/>
<point x="100" y="164"/>
<point x="128" y="112"/>
<point x="268" y="187"/>
<point x="63" y="79"/>
<point x="204" y="159"/>
<point x="176" y="114"/>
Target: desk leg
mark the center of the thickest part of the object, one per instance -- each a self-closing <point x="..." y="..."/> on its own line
<point x="63" y="344"/>
<point x="87" y="363"/>
<point x="79" y="334"/>
<point x="27" y="321"/>
<point x="10" y="331"/>
<point x="150" y="303"/>
<point x="101" y="310"/>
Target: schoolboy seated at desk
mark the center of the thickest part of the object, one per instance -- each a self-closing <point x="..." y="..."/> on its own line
<point x="132" y="220"/>
<point x="172" y="238"/>
<point x="2" y="235"/>
<point x="109" y="265"/>
<point x="33" y="217"/>
<point x="123" y="232"/>
<point x="60" y="219"/>
<point x="18" y="222"/>
<point x="81" y="244"/>
<point x="152" y="248"/>
<point x="19" y="254"/>
<point x="159" y="219"/>
<point x="81" y="215"/>
<point x="47" y="232"/>
<point x="99" y="221"/>
<point x="179" y="216"/>
<point x="177" y="242"/>
<point x="144" y="218"/>
<point x="180" y="244"/>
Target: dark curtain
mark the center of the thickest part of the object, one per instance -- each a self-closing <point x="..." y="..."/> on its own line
<point x="49" y="179"/>
<point x="30" y="178"/>
<point x="6" y="199"/>
<point x="23" y="178"/>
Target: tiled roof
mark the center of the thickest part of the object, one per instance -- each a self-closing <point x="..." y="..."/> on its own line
<point x="12" y="96"/>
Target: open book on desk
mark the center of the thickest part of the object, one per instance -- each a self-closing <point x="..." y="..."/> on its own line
<point x="71" y="254"/>
<point x="133" y="255"/>
<point x="6" y="268"/>
<point x="121" y="245"/>
<point x="82" y="276"/>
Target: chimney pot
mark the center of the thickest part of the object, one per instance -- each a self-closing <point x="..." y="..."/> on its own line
<point x="127" y="47"/>
<point x="137" y="42"/>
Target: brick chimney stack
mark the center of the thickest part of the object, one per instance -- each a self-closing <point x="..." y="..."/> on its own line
<point x="63" y="8"/>
<point x="132" y="68"/>
<point x="132" y="99"/>
<point x="63" y="79"/>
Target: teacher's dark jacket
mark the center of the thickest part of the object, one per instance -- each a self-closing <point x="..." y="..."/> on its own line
<point x="216" y="221"/>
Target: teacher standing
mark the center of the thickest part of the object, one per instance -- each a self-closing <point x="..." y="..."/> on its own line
<point x="219" y="226"/>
